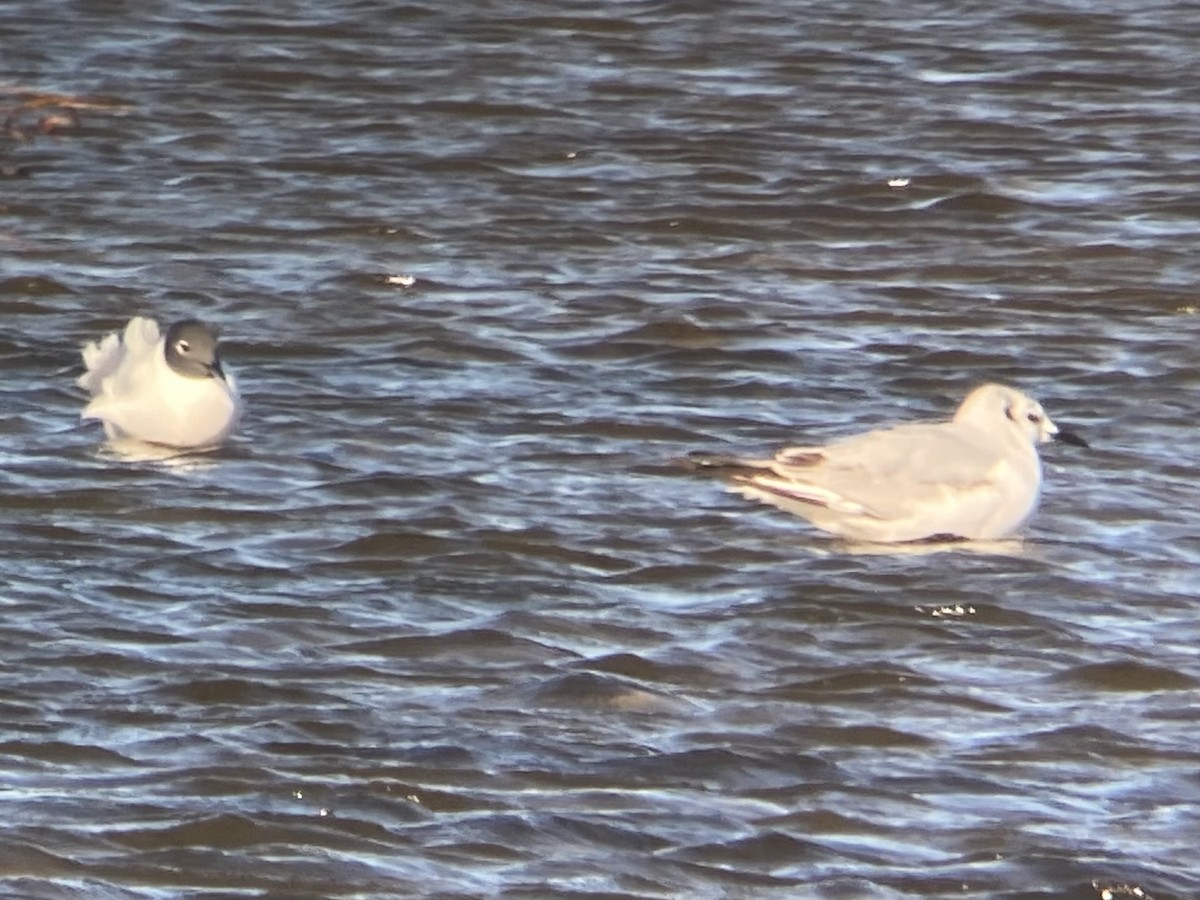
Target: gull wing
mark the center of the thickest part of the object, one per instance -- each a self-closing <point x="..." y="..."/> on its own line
<point x="947" y="477"/>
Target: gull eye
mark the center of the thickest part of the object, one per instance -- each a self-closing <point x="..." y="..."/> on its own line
<point x="1035" y="418"/>
<point x="182" y="346"/>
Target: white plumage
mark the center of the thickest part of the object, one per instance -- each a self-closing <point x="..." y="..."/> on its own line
<point x="976" y="477"/>
<point x="168" y="390"/>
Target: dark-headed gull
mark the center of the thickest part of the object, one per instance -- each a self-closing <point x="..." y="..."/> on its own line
<point x="162" y="389"/>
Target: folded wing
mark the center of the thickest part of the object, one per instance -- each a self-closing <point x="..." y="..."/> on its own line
<point x="905" y="483"/>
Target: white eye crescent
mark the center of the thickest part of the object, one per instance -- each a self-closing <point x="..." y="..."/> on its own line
<point x="182" y="346"/>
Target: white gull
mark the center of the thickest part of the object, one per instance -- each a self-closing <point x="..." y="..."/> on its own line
<point x="976" y="477"/>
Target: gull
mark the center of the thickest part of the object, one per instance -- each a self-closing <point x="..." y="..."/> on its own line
<point x="161" y="389"/>
<point x="976" y="477"/>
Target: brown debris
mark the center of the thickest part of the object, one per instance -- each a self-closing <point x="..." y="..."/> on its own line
<point x="28" y="113"/>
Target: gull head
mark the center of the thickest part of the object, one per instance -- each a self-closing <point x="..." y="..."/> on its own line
<point x="191" y="350"/>
<point x="997" y="408"/>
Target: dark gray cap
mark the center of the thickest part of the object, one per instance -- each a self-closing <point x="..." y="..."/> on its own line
<point x="191" y="350"/>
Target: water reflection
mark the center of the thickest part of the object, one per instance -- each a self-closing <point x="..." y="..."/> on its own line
<point x="1013" y="548"/>
<point x="131" y="450"/>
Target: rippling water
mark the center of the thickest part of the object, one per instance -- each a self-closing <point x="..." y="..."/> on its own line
<point x="444" y="620"/>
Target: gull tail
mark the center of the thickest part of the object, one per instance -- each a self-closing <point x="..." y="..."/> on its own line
<point x="720" y="464"/>
<point x="760" y="479"/>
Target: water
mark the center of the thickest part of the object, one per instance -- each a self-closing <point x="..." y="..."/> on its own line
<point x="444" y="621"/>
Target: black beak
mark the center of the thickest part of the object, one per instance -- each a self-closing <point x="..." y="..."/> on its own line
<point x="215" y="370"/>
<point x="1070" y="437"/>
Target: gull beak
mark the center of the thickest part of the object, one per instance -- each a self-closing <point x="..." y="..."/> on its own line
<point x="1053" y="433"/>
<point x="1070" y="437"/>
